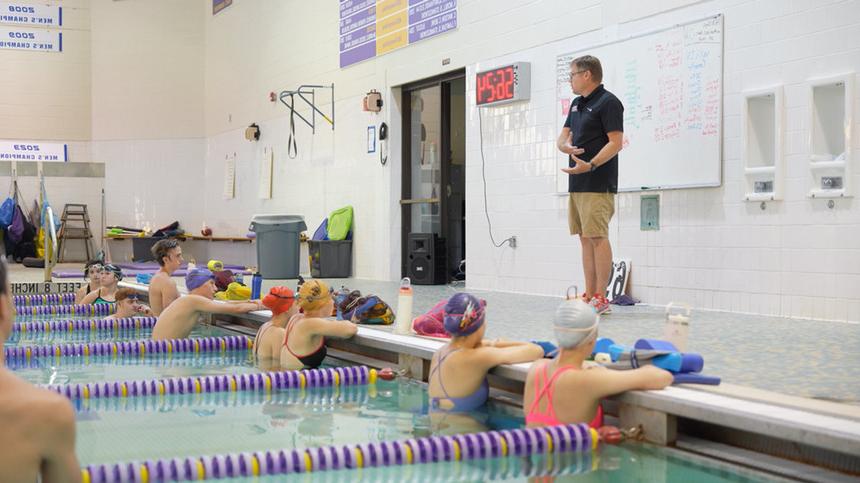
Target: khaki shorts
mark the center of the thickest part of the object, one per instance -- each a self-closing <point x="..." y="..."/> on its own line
<point x="589" y="214"/>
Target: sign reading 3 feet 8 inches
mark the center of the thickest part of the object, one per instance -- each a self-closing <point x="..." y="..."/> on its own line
<point x="33" y="288"/>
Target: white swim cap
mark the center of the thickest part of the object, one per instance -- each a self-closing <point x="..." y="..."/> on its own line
<point x="575" y="322"/>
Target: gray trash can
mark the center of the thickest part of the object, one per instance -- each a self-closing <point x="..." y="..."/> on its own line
<point x="278" y="244"/>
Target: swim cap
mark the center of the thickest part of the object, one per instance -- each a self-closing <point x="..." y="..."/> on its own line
<point x="575" y="322"/>
<point x="279" y="300"/>
<point x="313" y="294"/>
<point x="110" y="267"/>
<point x="197" y="277"/>
<point x="463" y="314"/>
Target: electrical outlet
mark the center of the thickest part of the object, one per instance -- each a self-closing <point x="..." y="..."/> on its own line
<point x="513" y="242"/>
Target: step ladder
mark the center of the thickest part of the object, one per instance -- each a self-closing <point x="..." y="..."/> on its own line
<point x="75" y="226"/>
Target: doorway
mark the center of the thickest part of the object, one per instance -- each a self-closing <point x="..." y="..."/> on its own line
<point x="433" y="192"/>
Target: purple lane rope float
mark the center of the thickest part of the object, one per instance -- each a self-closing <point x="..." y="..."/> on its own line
<point x="85" y="324"/>
<point x="260" y="381"/>
<point x="321" y="399"/>
<point x="432" y="449"/>
<point x="132" y="348"/>
<point x="73" y="309"/>
<point x="44" y="299"/>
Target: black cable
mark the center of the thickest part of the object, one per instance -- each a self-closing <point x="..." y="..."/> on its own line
<point x="484" y="177"/>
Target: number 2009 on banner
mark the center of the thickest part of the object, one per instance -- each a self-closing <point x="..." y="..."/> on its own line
<point x="504" y="84"/>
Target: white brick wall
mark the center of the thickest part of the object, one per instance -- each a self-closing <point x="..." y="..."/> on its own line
<point x="796" y="258"/>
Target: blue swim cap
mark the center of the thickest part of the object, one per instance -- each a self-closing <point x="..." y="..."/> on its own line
<point x="197" y="277"/>
<point x="463" y="314"/>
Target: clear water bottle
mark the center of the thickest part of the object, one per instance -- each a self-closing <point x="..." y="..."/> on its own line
<point x="403" y="324"/>
<point x="677" y="326"/>
<point x="256" y="286"/>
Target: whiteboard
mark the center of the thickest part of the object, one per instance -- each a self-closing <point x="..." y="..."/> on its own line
<point x="671" y="85"/>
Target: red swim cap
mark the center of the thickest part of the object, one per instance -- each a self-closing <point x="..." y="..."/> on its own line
<point x="279" y="300"/>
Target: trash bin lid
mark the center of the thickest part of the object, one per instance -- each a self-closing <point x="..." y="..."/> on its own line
<point x="293" y="221"/>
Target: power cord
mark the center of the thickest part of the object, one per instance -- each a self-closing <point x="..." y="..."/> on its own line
<point x="512" y="240"/>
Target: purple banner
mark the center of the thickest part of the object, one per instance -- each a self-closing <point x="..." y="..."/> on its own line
<point x="362" y="52"/>
<point x="360" y="19"/>
<point x="350" y="7"/>
<point x="358" y="37"/>
<point x="429" y="9"/>
<point x="433" y="26"/>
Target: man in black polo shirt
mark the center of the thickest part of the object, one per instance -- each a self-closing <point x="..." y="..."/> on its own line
<point x="592" y="137"/>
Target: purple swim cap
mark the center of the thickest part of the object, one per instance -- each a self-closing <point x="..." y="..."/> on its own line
<point x="463" y="314"/>
<point x="197" y="277"/>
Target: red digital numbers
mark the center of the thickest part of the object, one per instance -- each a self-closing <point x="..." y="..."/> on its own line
<point x="495" y="85"/>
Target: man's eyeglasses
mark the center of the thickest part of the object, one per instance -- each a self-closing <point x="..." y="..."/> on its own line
<point x="572" y="74"/>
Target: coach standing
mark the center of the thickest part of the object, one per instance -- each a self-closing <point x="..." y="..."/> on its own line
<point x="592" y="137"/>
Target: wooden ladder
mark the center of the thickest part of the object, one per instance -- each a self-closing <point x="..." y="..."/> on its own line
<point x="75" y="226"/>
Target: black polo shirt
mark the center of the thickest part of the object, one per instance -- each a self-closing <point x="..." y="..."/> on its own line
<point x="589" y="119"/>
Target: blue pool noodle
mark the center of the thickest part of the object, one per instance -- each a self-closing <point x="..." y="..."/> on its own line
<point x="696" y="379"/>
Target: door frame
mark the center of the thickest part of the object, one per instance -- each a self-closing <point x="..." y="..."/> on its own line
<point x="406" y="91"/>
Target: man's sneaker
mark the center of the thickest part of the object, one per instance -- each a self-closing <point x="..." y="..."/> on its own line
<point x="585" y="298"/>
<point x="600" y="304"/>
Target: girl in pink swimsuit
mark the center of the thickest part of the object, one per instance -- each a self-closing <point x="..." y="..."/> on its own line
<point x="561" y="391"/>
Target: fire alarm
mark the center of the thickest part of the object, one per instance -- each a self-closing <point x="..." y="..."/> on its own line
<point x="373" y="101"/>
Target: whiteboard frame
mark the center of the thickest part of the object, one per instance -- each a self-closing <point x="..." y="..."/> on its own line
<point x="722" y="99"/>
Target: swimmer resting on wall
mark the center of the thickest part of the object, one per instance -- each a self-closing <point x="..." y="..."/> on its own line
<point x="180" y="317"/>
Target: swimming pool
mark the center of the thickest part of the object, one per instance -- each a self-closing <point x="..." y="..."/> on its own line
<point x="192" y="425"/>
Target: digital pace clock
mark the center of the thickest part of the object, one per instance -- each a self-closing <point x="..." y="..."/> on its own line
<point x="504" y="84"/>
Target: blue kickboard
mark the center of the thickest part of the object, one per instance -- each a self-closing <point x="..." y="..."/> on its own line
<point x="696" y="379"/>
<point x="655" y="345"/>
<point x="602" y="345"/>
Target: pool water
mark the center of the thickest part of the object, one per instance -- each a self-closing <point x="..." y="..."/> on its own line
<point x="64" y="370"/>
<point x="207" y="424"/>
<point x="629" y="462"/>
<point x="105" y="335"/>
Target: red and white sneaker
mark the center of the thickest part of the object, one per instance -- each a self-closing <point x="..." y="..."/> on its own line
<point x="600" y="304"/>
<point x="585" y="298"/>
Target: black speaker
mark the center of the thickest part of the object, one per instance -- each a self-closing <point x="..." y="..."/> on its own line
<point x="426" y="259"/>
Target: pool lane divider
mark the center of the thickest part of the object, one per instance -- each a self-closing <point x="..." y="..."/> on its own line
<point x="321" y="399"/>
<point x="132" y="348"/>
<point x="260" y="381"/>
<point x="462" y="447"/>
<point x="43" y="299"/>
<point x="126" y="323"/>
<point x="72" y="309"/>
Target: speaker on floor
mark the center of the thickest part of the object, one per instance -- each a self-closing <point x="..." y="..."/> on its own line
<point x="426" y="259"/>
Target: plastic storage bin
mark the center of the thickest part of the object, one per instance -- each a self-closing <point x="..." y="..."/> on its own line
<point x="330" y="258"/>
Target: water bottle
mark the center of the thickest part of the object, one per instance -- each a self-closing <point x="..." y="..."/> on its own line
<point x="403" y="324"/>
<point x="256" y="286"/>
<point x="677" y="325"/>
